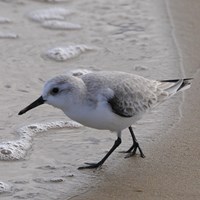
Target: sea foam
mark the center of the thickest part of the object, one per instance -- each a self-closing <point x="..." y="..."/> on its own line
<point x="65" y="53"/>
<point x="55" y="13"/>
<point x="4" y="20"/>
<point x="8" y="35"/>
<point x="5" y="188"/>
<point x="17" y="149"/>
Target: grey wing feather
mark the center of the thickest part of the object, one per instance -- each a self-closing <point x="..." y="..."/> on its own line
<point x="131" y="94"/>
<point x="117" y="107"/>
<point x="129" y="99"/>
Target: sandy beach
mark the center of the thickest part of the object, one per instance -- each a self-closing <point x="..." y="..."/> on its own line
<point x="41" y="151"/>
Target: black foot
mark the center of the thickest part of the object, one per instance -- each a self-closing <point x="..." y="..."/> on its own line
<point x="91" y="166"/>
<point x="96" y="165"/>
<point x="132" y="151"/>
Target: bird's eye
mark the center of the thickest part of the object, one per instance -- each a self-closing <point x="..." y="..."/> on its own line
<point x="54" y="91"/>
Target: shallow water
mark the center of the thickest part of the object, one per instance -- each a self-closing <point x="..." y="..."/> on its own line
<point x="132" y="36"/>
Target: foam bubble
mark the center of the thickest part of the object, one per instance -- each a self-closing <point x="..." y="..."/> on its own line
<point x="14" y="150"/>
<point x="65" y="53"/>
<point x="4" y="187"/>
<point x="17" y="149"/>
<point x="49" y="14"/>
<point x="78" y="72"/>
<point x="8" y="35"/>
<point x="4" y="20"/>
<point x="60" y="25"/>
<point x="139" y="68"/>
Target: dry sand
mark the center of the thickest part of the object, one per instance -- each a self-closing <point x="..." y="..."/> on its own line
<point x="151" y="38"/>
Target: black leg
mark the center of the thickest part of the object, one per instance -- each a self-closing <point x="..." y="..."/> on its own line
<point x="96" y="165"/>
<point x="134" y="147"/>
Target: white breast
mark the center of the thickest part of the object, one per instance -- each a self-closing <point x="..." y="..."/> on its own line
<point x="100" y="117"/>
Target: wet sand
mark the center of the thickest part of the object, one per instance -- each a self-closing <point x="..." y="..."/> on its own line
<point x="142" y="37"/>
<point x="172" y="168"/>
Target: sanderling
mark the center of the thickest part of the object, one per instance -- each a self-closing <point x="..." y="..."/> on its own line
<point x="107" y="100"/>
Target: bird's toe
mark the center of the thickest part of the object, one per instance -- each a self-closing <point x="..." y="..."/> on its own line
<point x="90" y="166"/>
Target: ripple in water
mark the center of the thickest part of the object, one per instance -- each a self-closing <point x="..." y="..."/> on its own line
<point x="65" y="53"/>
<point x="17" y="149"/>
<point x="51" y="1"/>
<point x="60" y="25"/>
<point x="49" y="14"/>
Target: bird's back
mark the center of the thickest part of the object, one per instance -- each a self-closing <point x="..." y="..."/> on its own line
<point x="116" y="100"/>
<point x="131" y="93"/>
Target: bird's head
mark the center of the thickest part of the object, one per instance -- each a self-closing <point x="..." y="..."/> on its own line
<point x="61" y="92"/>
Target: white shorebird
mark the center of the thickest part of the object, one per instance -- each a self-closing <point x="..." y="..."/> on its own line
<point x="107" y="100"/>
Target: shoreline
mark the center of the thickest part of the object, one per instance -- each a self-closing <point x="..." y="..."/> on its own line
<point x="172" y="170"/>
<point x="134" y="37"/>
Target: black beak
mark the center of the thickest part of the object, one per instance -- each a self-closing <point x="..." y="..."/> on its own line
<point x="36" y="103"/>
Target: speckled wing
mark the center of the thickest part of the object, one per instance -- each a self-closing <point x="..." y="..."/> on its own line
<point x="133" y="97"/>
<point x="138" y="95"/>
<point x="131" y="94"/>
<point x="129" y="103"/>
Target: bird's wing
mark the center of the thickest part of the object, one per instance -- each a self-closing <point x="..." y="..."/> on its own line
<point x="126" y="94"/>
<point x="130" y="100"/>
<point x="129" y="94"/>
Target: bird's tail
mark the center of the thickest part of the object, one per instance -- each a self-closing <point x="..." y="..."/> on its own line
<point x="176" y="85"/>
